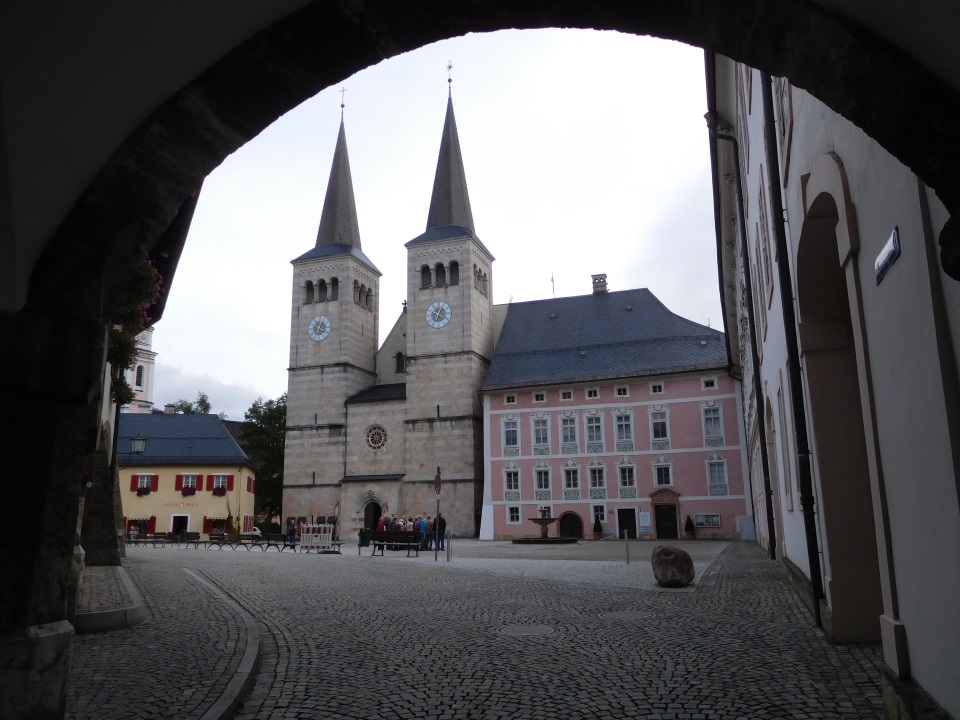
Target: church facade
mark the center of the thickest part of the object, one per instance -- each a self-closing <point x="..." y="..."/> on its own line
<point x="369" y="429"/>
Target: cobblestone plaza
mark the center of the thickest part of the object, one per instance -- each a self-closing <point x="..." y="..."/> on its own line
<point x="499" y="631"/>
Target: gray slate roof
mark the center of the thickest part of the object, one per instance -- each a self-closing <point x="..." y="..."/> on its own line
<point x="376" y="393"/>
<point x="174" y="439"/>
<point x="622" y="334"/>
<point x="333" y="250"/>
<point x="450" y="202"/>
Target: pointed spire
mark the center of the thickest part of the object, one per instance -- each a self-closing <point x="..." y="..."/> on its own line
<point x="338" y="222"/>
<point x="450" y="202"/>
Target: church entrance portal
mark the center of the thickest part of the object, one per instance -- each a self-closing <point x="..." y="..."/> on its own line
<point x="571" y="526"/>
<point x="371" y="516"/>
<point x="666" y="521"/>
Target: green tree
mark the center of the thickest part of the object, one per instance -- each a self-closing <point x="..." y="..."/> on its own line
<point x="200" y="407"/>
<point x="263" y="440"/>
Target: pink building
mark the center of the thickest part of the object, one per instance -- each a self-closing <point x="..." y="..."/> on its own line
<point x="608" y="405"/>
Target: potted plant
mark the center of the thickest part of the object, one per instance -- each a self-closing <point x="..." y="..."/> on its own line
<point x="689" y="530"/>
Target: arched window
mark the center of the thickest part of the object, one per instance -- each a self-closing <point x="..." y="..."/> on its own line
<point x="401" y="362"/>
<point x="368" y="299"/>
<point x="425" y="279"/>
<point x="441" y="275"/>
<point x="308" y="292"/>
<point x="477" y="277"/>
<point x="485" y="286"/>
<point x="334" y="288"/>
<point x="356" y="292"/>
<point x="322" y="291"/>
<point x="139" y="381"/>
<point x="454" y="272"/>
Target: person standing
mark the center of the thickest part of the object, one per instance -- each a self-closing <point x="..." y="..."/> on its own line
<point x="428" y="536"/>
<point x="441" y="525"/>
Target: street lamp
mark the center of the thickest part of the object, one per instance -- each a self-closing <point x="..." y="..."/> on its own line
<point x="138" y="445"/>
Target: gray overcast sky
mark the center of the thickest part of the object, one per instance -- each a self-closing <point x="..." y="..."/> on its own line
<point x="585" y="152"/>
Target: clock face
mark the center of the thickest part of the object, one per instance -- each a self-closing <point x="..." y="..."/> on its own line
<point x="438" y="314"/>
<point x="319" y="328"/>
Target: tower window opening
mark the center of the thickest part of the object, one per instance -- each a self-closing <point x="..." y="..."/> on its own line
<point x="426" y="279"/>
<point x="322" y="291"/>
<point x="454" y="273"/>
<point x="334" y="288"/>
<point x="441" y="275"/>
<point x="308" y="292"/>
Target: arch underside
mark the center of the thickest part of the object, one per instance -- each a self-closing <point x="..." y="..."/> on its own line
<point x="137" y="193"/>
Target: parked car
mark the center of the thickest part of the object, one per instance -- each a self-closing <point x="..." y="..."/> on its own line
<point x="256" y="531"/>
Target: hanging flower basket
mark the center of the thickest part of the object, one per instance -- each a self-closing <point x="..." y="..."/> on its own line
<point x="219" y="491"/>
<point x="143" y="491"/>
<point x="187" y="491"/>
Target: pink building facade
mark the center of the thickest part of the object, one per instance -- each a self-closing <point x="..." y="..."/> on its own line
<point x="642" y="453"/>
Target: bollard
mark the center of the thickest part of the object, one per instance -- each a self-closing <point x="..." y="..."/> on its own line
<point x="449" y="545"/>
<point x="626" y="545"/>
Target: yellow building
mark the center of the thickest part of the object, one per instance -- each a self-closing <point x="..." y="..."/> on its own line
<point x="190" y="475"/>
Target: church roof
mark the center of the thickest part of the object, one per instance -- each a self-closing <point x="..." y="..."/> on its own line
<point x="450" y="202"/>
<point x="376" y="393"/>
<point x="339" y="231"/>
<point x="448" y="232"/>
<point x="601" y="336"/>
<point x="177" y="439"/>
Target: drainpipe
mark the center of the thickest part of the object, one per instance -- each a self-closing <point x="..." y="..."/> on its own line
<point x="712" y="122"/>
<point x="793" y="351"/>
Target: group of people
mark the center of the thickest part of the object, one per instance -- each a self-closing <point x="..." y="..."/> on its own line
<point x="427" y="529"/>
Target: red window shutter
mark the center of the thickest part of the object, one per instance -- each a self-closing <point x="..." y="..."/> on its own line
<point x="178" y="483"/>
<point x="134" y="481"/>
<point x="229" y="483"/>
<point x="152" y="525"/>
<point x="206" y="525"/>
<point x="209" y="482"/>
<point x="154" y="484"/>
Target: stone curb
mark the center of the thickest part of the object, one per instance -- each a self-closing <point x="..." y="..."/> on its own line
<point x="117" y="618"/>
<point x="242" y="682"/>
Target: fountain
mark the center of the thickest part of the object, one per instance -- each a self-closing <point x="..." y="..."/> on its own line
<point x="544" y="521"/>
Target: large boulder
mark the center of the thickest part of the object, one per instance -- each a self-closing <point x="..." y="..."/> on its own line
<point x="672" y="567"/>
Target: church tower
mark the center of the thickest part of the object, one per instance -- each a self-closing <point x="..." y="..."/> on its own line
<point x="333" y="344"/>
<point x="449" y="339"/>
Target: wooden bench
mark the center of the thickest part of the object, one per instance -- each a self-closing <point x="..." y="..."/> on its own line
<point x="189" y="538"/>
<point x="396" y="539"/>
<point x="245" y="540"/>
<point x="152" y="539"/>
<point x="217" y="539"/>
<point x="279" y="541"/>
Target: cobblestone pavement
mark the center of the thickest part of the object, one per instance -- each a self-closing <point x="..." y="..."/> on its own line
<point x="101" y="589"/>
<point x="502" y="631"/>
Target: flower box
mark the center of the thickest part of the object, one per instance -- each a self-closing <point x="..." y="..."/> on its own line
<point x="219" y="491"/>
<point x="187" y="491"/>
<point x="143" y="491"/>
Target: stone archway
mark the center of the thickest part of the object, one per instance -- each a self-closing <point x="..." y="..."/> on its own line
<point x="832" y="370"/>
<point x="571" y="526"/>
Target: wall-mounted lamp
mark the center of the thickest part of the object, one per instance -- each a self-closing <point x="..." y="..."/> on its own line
<point x="138" y="445"/>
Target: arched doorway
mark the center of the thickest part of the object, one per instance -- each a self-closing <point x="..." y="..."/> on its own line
<point x="571" y="526"/>
<point x="831" y="384"/>
<point x="372" y="512"/>
<point x="666" y="516"/>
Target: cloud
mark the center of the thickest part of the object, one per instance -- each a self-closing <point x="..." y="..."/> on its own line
<point x="172" y="383"/>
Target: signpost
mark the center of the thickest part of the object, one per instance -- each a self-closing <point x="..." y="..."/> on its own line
<point x="437" y="482"/>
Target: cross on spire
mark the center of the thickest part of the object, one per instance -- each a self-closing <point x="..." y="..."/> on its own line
<point x="449" y="78"/>
<point x="343" y="90"/>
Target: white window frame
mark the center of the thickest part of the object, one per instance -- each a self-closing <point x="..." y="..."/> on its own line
<point x="624" y="423"/>
<point x="708" y="421"/>
<point x="601" y="511"/>
<point x="568" y="423"/>
<point x="717" y="462"/>
<point x="510" y="399"/>
<point x="511" y="479"/>
<point x="594" y="425"/>
<point x="708" y="383"/>
<point x="540" y="475"/>
<point x="623" y="470"/>
<point x="190" y="480"/>
<point x="219" y="481"/>
<point x="591" y="393"/>
<point x="541" y="424"/>
<point x="566" y="395"/>
<point x="598" y="471"/>
<point x="539" y="396"/>
<point x="656" y="474"/>
<point x="513" y="510"/>
<point x="144" y="482"/>
<point x="571" y="478"/>
<point x="653" y="425"/>
<point x="622" y="391"/>
<point x="508" y="427"/>
<point x="657" y="388"/>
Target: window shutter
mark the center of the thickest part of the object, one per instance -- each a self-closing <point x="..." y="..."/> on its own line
<point x="152" y="525"/>
<point x="229" y="483"/>
<point x="133" y="483"/>
<point x="178" y="483"/>
<point x="154" y="484"/>
<point x="209" y="482"/>
<point x="206" y="525"/>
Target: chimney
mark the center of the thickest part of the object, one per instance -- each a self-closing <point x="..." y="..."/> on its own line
<point x="599" y="283"/>
<point x="168" y="408"/>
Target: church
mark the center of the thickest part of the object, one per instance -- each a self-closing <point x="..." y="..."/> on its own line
<point x="368" y="429"/>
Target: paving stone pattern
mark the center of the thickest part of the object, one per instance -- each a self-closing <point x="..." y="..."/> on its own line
<point x="496" y="633"/>
<point x="101" y="589"/>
